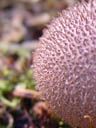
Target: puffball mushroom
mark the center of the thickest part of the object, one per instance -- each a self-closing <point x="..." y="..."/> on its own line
<point x="65" y="64"/>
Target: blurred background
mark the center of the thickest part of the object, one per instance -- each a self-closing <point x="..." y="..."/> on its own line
<point x="21" y="25"/>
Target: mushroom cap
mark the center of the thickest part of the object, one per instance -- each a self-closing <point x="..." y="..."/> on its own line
<point x="65" y="64"/>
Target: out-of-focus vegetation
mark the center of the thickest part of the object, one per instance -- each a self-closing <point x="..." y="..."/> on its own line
<point x="21" y="25"/>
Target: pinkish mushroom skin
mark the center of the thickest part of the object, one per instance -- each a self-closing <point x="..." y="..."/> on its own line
<point x="65" y="64"/>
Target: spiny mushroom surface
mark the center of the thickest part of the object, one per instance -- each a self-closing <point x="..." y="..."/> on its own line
<point x="65" y="64"/>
